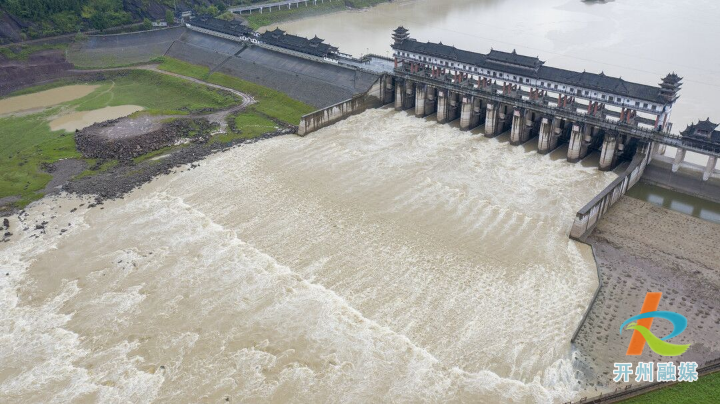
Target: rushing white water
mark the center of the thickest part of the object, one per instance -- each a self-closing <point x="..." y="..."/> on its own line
<point x="386" y="258"/>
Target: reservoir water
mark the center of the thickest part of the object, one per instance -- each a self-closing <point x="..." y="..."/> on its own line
<point x="641" y="40"/>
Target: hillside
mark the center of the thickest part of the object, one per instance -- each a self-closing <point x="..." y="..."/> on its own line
<point x="31" y="19"/>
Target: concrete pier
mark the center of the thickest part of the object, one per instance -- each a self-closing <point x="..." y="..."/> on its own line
<point x="399" y="96"/>
<point x="470" y="113"/>
<point x="518" y="128"/>
<point x="430" y="100"/>
<point x="578" y="148"/>
<point x="491" y="120"/>
<point x="447" y="106"/>
<point x="420" y="97"/>
<point x="709" y="168"/>
<point x="679" y="158"/>
<point x="388" y="86"/>
<point x="523" y="127"/>
<point x="608" y="155"/>
<point x="409" y="99"/>
<point x="547" y="141"/>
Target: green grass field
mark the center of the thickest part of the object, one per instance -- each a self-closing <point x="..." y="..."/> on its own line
<point x="269" y="102"/>
<point x="157" y="93"/>
<point x="26" y="142"/>
<point x="258" y="20"/>
<point x="704" y="391"/>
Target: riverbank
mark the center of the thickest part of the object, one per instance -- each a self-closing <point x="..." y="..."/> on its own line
<point x="168" y="98"/>
<point x="638" y="251"/>
<point x="258" y="20"/>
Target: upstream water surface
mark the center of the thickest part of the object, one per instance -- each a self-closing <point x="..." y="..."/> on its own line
<point x="386" y="258"/>
<point x="638" y="40"/>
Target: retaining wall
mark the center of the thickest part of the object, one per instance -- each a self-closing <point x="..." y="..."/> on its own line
<point x="587" y="217"/>
<point x="327" y="116"/>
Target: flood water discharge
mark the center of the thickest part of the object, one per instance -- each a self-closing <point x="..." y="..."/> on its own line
<point x="386" y="258"/>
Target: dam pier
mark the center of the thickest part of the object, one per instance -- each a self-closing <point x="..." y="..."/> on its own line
<point x="505" y="91"/>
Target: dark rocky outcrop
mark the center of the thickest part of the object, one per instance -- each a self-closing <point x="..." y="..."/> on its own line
<point x="98" y="141"/>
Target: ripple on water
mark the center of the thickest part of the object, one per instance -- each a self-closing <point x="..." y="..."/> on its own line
<point x="385" y="258"/>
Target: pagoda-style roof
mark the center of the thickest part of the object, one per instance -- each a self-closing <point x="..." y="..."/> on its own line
<point x="234" y="28"/>
<point x="533" y="67"/>
<point x="400" y="30"/>
<point x="514" y="59"/>
<point x="703" y="130"/>
<point x="706" y="125"/>
<point x="314" y="46"/>
<point x="672" y="78"/>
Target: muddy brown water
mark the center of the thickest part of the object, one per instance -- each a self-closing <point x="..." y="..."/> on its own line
<point x="45" y="98"/>
<point x="385" y="258"/>
<point x="83" y="119"/>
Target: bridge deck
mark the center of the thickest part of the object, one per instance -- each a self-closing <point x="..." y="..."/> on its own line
<point x="705" y="148"/>
<point x="278" y="4"/>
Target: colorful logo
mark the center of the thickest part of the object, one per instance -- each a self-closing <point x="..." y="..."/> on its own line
<point x="641" y="324"/>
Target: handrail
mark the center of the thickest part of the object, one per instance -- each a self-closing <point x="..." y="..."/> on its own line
<point x="706" y="148"/>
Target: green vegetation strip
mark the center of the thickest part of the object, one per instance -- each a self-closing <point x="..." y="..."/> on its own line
<point x="26" y="142"/>
<point x="271" y="103"/>
<point x="22" y="52"/>
<point x="257" y="20"/>
<point x="705" y="390"/>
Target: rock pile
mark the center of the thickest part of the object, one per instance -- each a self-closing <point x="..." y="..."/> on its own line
<point x="94" y="141"/>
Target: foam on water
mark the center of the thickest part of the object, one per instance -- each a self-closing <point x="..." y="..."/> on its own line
<point x="386" y="258"/>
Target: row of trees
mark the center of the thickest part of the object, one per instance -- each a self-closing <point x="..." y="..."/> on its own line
<point x="53" y="17"/>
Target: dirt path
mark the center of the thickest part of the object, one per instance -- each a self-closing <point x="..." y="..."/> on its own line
<point x="218" y="117"/>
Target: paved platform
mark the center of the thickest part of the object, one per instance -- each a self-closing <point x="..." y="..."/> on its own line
<point x="642" y="248"/>
<point x="685" y="180"/>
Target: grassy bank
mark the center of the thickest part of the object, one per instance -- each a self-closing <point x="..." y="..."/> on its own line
<point x="704" y="391"/>
<point x="258" y="20"/>
<point x="27" y="143"/>
<point x="270" y="103"/>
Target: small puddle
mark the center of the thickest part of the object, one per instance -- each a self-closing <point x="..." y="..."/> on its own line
<point x="45" y="98"/>
<point x="83" y="119"/>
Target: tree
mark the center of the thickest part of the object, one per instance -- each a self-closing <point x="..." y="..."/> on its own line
<point x="147" y="24"/>
<point x="227" y="16"/>
<point x="169" y="17"/>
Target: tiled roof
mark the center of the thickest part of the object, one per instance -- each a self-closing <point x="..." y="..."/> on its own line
<point x="533" y="67"/>
<point x="314" y="46"/>
<point x="704" y="126"/>
<point x="234" y="28"/>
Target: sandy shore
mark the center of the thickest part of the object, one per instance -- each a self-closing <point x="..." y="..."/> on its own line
<point x="642" y="248"/>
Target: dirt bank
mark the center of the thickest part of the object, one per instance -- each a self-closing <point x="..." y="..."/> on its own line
<point x="39" y="67"/>
<point x="126" y="138"/>
<point x="643" y="248"/>
<point x="119" y="180"/>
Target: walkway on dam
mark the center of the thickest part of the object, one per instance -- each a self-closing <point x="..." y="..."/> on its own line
<point x="279" y="4"/>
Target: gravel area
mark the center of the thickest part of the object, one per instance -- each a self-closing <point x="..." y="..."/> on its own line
<point x="642" y="248"/>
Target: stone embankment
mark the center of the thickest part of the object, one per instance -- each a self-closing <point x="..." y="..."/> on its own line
<point x="127" y="176"/>
<point x="127" y="138"/>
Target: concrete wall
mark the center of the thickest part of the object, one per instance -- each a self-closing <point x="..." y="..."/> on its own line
<point x="587" y="217"/>
<point x="319" y="119"/>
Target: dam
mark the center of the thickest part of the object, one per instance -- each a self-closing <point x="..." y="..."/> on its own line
<point x="386" y="257"/>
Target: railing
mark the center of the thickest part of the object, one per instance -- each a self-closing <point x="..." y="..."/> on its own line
<point x="587" y="217"/>
<point x="698" y="146"/>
